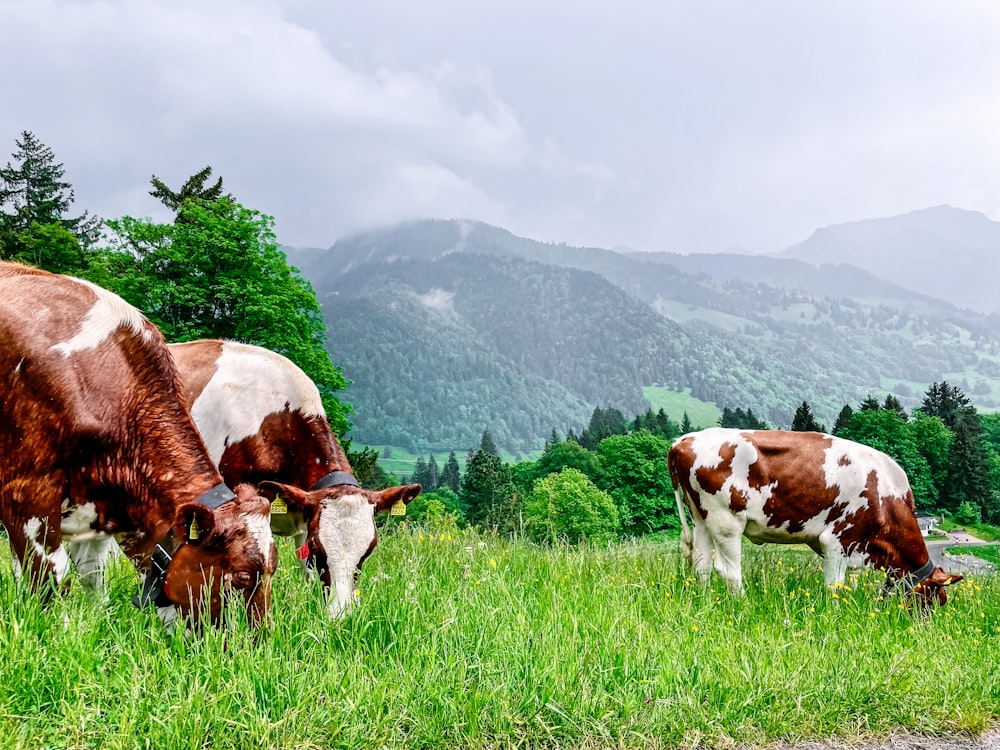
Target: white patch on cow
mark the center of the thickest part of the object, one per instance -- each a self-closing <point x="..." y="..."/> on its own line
<point x="249" y="384"/>
<point x="259" y="526"/>
<point x="57" y="559"/>
<point x="108" y="313"/>
<point x="346" y="531"/>
<point x="78" y="521"/>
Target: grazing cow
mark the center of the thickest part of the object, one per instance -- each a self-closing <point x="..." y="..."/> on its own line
<point x="850" y="503"/>
<point x="263" y="422"/>
<point x="95" y="443"/>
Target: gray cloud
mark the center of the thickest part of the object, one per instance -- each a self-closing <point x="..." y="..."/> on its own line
<point x="659" y="125"/>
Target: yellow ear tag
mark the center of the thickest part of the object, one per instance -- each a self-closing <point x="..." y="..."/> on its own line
<point x="398" y="508"/>
<point x="194" y="530"/>
<point x="278" y="507"/>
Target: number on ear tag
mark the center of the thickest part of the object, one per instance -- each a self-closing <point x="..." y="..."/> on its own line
<point x="278" y="507"/>
<point x="398" y="508"/>
<point x="194" y="530"/>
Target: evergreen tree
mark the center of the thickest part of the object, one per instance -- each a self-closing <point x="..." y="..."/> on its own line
<point x="804" y="421"/>
<point x="192" y="189"/>
<point x="968" y="465"/>
<point x="892" y="404"/>
<point x="870" y="404"/>
<point x="34" y="195"/>
<point x="433" y="477"/>
<point x="487" y="492"/>
<point x="420" y="473"/>
<point x="947" y="402"/>
<point x="843" y="419"/>
<point x="686" y="425"/>
<point x="603" y="423"/>
<point x="486" y="444"/>
<point x="451" y="477"/>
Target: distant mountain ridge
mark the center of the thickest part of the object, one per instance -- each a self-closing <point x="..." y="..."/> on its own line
<point x="450" y="327"/>
<point x="942" y="251"/>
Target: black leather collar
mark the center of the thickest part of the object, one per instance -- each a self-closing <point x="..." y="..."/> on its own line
<point x="152" y="591"/>
<point x="334" y="478"/>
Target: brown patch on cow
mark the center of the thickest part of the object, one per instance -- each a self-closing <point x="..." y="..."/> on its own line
<point x="712" y="478"/>
<point x="737" y="499"/>
<point x="196" y="361"/>
<point x="680" y="459"/>
<point x="792" y="462"/>
<point x="844" y="460"/>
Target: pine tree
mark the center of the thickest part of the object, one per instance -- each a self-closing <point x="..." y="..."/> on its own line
<point x="420" y="473"/>
<point x="804" y="421"/>
<point x="451" y="477"/>
<point x="892" y="404"/>
<point x="433" y="477"/>
<point x="947" y="402"/>
<point x="33" y="195"/>
<point x="488" y="492"/>
<point x="486" y="444"/>
<point x="968" y="466"/>
<point x="843" y="419"/>
<point x="686" y="425"/>
<point x="192" y="189"/>
<point x="870" y="404"/>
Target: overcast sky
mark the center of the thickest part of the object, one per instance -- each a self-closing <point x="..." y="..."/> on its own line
<point x="660" y="125"/>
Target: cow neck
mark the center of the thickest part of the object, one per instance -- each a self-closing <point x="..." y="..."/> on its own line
<point x="153" y="589"/>
<point x="334" y="462"/>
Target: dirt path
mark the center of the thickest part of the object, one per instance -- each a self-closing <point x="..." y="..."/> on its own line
<point x="988" y="741"/>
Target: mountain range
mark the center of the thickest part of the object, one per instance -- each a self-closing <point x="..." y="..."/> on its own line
<point x="447" y="328"/>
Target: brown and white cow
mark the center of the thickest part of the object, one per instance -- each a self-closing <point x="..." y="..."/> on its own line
<point x="263" y="422"/>
<point x="850" y="503"/>
<point x="95" y="443"/>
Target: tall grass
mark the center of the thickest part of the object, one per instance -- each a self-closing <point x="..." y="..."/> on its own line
<point x="462" y="640"/>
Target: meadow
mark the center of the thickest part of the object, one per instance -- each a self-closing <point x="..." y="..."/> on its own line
<point x="462" y="640"/>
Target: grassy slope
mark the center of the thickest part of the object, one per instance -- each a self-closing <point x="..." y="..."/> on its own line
<point x="462" y="641"/>
<point x="701" y="413"/>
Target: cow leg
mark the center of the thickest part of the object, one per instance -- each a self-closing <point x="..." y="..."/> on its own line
<point x="90" y="557"/>
<point x="834" y="561"/>
<point x="38" y="552"/>
<point x="729" y="555"/>
<point x="702" y="552"/>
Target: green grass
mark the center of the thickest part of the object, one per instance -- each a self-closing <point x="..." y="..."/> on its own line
<point x="468" y="641"/>
<point x="701" y="413"/>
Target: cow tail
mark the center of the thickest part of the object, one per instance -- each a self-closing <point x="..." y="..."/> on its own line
<point x="686" y="536"/>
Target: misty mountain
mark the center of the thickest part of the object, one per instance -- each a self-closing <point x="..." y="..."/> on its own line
<point x="450" y="327"/>
<point x="944" y="252"/>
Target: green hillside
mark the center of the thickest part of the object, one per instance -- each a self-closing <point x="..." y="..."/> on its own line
<point x="674" y="404"/>
<point x="448" y="328"/>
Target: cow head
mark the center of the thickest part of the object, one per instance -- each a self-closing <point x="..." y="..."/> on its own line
<point x="931" y="590"/>
<point x="225" y="552"/>
<point x="340" y="531"/>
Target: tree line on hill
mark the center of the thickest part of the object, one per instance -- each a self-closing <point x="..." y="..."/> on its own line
<point x="610" y="480"/>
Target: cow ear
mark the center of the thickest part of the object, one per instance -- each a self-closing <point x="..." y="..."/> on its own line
<point x="285" y="497"/>
<point x="389" y="497"/>
<point x="194" y="523"/>
<point x="943" y="579"/>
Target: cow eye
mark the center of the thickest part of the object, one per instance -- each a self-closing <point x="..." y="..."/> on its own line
<point x="242" y="579"/>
